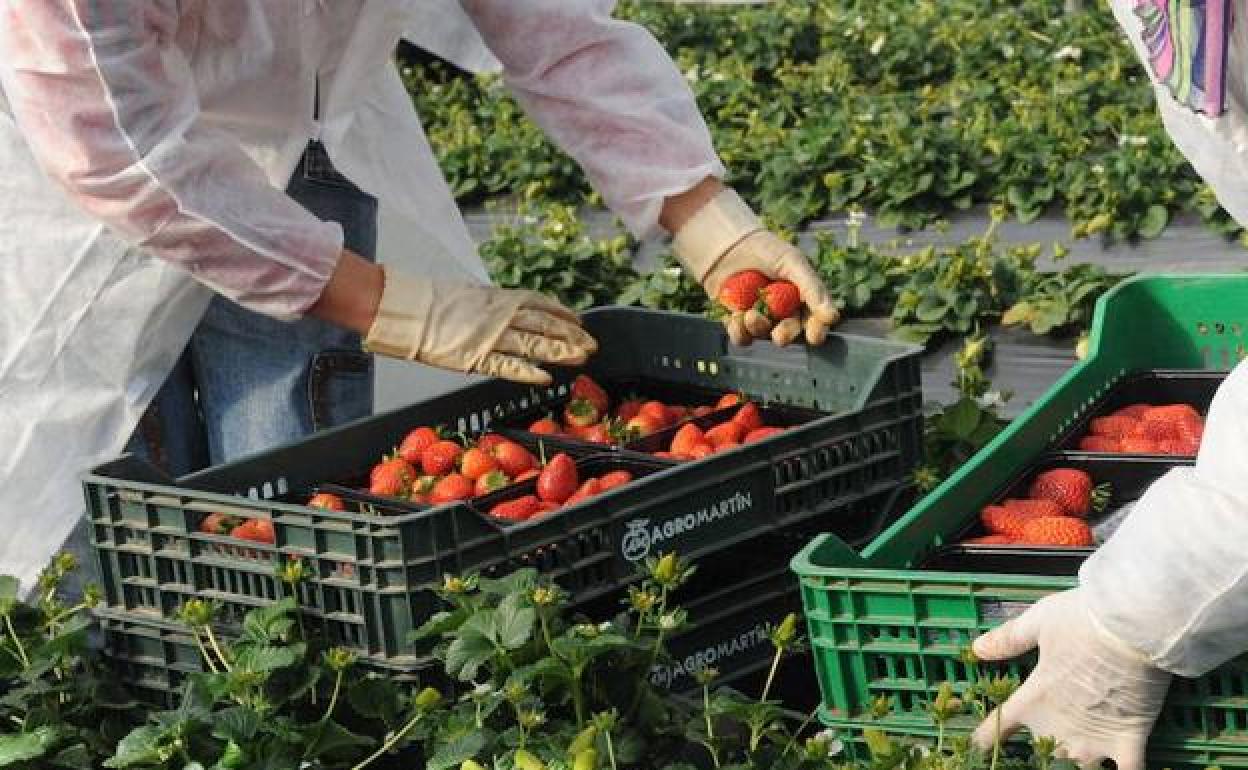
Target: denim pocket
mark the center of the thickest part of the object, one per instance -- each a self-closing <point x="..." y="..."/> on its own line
<point x="340" y="387"/>
<point x="319" y="169"/>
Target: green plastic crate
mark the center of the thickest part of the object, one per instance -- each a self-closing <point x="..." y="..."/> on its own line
<point x="370" y="576"/>
<point x="882" y="627"/>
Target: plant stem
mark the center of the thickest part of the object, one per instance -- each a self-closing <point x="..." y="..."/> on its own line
<point x="578" y="698"/>
<point x="389" y="744"/>
<point x="212" y="639"/>
<point x="203" y="651"/>
<point x="771" y="675"/>
<point x="333" y="698"/>
<point x="645" y="674"/>
<point x="793" y="740"/>
<point x="21" y="650"/>
<point x="706" y="710"/>
<point x="611" y="749"/>
<point x="58" y="617"/>
<point x="996" y="744"/>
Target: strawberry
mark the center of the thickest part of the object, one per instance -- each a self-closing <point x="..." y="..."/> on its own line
<point x="1100" y="444"/>
<point x="547" y="426"/>
<point x="699" y="451"/>
<point x="477" y="462"/>
<point x="670" y="456"/>
<point x="643" y="425"/>
<point x="729" y="400"/>
<point x="591" y="488"/>
<point x="1134" y="411"/>
<point x="416" y="442"/>
<point x="391" y="478"/>
<point x="999" y="520"/>
<point x="586" y="389"/>
<point x="1113" y="427"/>
<point x="558" y="480"/>
<point x="724" y="435"/>
<point x="628" y="409"/>
<point x="615" y="479"/>
<point x="514" y="459"/>
<point x="580" y="413"/>
<point x="255" y="530"/>
<point x="421" y="488"/>
<point x="440" y="458"/>
<point x="686" y="437"/>
<point x="702" y="411"/>
<point x="545" y="508"/>
<point x="1190" y="430"/>
<point x="748" y="417"/>
<point x="598" y="433"/>
<point x="1034" y="508"/>
<point x="1171" y="413"/>
<point x="517" y="510"/>
<point x="1063" y="531"/>
<point x="780" y="300"/>
<point x="531" y="473"/>
<point x="490" y="482"/>
<point x="1139" y="446"/>
<point x="1070" y="488"/>
<point x="741" y="290"/>
<point x="657" y="411"/>
<point x="1155" y="430"/>
<point x="329" y="502"/>
<point x="451" y="488"/>
<point x="490" y="440"/>
<point x="990" y="540"/>
<point x="218" y="523"/>
<point x="761" y="433"/>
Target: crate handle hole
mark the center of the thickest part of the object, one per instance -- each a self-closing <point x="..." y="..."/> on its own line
<point x="1202" y="327"/>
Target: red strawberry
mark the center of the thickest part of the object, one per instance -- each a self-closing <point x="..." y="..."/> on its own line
<point x="586" y="389"/>
<point x="1187" y="447"/>
<point x="591" y="488"/>
<point x="580" y="413"/>
<point x="1070" y="488"/>
<point x="391" y="478"/>
<point x="440" y="458"/>
<point x="999" y="520"/>
<point x="628" y="409"/>
<point x="760" y="434"/>
<point x="740" y="291"/>
<point x="676" y="412"/>
<point x="990" y="540"/>
<point x="514" y="459"/>
<point x="657" y="411"/>
<point x="1155" y="430"/>
<point x="1113" y="427"/>
<point x="1100" y="444"/>
<point x="531" y="473"/>
<point x="598" y="433"/>
<point x="1134" y="411"/>
<point x="1139" y="446"/>
<point x="329" y="502"/>
<point x="477" y="462"/>
<point x="748" y="417"/>
<point x="1034" y="508"/>
<point x="670" y="456"/>
<point x="729" y="400"/>
<point x="1190" y="430"/>
<point x="545" y="508"/>
<point x="255" y="530"/>
<point x="643" y="425"/>
<point x="615" y="479"/>
<point x="490" y="482"/>
<point x="702" y="411"/>
<point x="491" y="440"/>
<point x="686" y="437"/>
<point x="1171" y="413"/>
<point x="218" y="524"/>
<point x="547" y="426"/>
<point x="517" y="510"/>
<point x="727" y="434"/>
<point x="421" y="488"/>
<point x="781" y="300"/>
<point x="451" y="488"/>
<point x="1063" y="531"/>
<point x="416" y="442"/>
<point x="699" y="451"/>
<point x="558" y="480"/>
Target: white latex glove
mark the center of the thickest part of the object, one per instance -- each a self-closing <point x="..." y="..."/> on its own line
<point x="503" y="333"/>
<point x="1097" y="697"/>
<point x="725" y="237"/>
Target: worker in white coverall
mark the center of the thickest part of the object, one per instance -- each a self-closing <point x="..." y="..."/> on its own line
<point x="1168" y="593"/>
<point x="188" y="195"/>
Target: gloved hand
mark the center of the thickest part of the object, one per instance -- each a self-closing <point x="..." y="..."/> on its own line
<point x="503" y="333"/>
<point x="1096" y="696"/>
<point x="725" y="237"/>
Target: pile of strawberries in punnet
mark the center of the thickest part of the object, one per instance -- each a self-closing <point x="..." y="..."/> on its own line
<point x="744" y="427"/>
<point x="587" y="416"/>
<point x="1053" y="514"/>
<point x="1169" y="429"/>
<point x="559" y="485"/>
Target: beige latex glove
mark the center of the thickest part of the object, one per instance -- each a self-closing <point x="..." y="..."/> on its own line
<point x="1096" y="696"/>
<point x="725" y="237"/>
<point x="503" y="333"/>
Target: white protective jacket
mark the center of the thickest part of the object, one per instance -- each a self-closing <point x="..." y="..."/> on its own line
<point x="1173" y="580"/>
<point x="144" y="147"/>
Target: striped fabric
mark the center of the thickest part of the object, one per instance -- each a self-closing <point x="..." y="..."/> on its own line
<point x="1187" y="42"/>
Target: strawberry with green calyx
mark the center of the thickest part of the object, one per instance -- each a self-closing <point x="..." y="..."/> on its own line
<point x="559" y="480"/>
<point x="416" y="442"/>
<point x="255" y="530"/>
<point x="585" y="389"/>
<point x="1072" y="489"/>
<point x="490" y="482"/>
<point x="741" y="291"/>
<point x="598" y="433"/>
<point x="441" y="457"/>
<point x="327" y="501"/>
<point x="581" y="413"/>
<point x="477" y="462"/>
<point x="392" y="477"/>
<point x="779" y="301"/>
<point x="514" y="459"/>
<point x="643" y="425"/>
<point x="421" y="488"/>
<point x="219" y="523"/>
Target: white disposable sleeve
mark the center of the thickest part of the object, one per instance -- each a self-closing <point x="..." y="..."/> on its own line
<point x="1172" y="582"/>
<point x="607" y="93"/>
<point x="109" y="108"/>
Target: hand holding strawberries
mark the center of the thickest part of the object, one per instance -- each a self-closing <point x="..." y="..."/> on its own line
<point x="768" y="287"/>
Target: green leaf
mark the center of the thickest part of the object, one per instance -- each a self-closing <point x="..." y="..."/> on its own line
<point x="962" y="418"/>
<point x="23" y="747"/>
<point x="143" y="746"/>
<point x="73" y="757"/>
<point x="466" y="654"/>
<point x="515" y="622"/>
<point x="452" y="754"/>
<point x="375" y="698"/>
<point x="441" y="623"/>
<point x="1020" y="313"/>
<point x="239" y="724"/>
<point x="331" y="739"/>
<point x="931" y="308"/>
<point x="264" y="659"/>
<point x="1154" y="221"/>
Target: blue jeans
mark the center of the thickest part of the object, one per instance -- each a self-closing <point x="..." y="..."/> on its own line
<point x="247" y="382"/>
